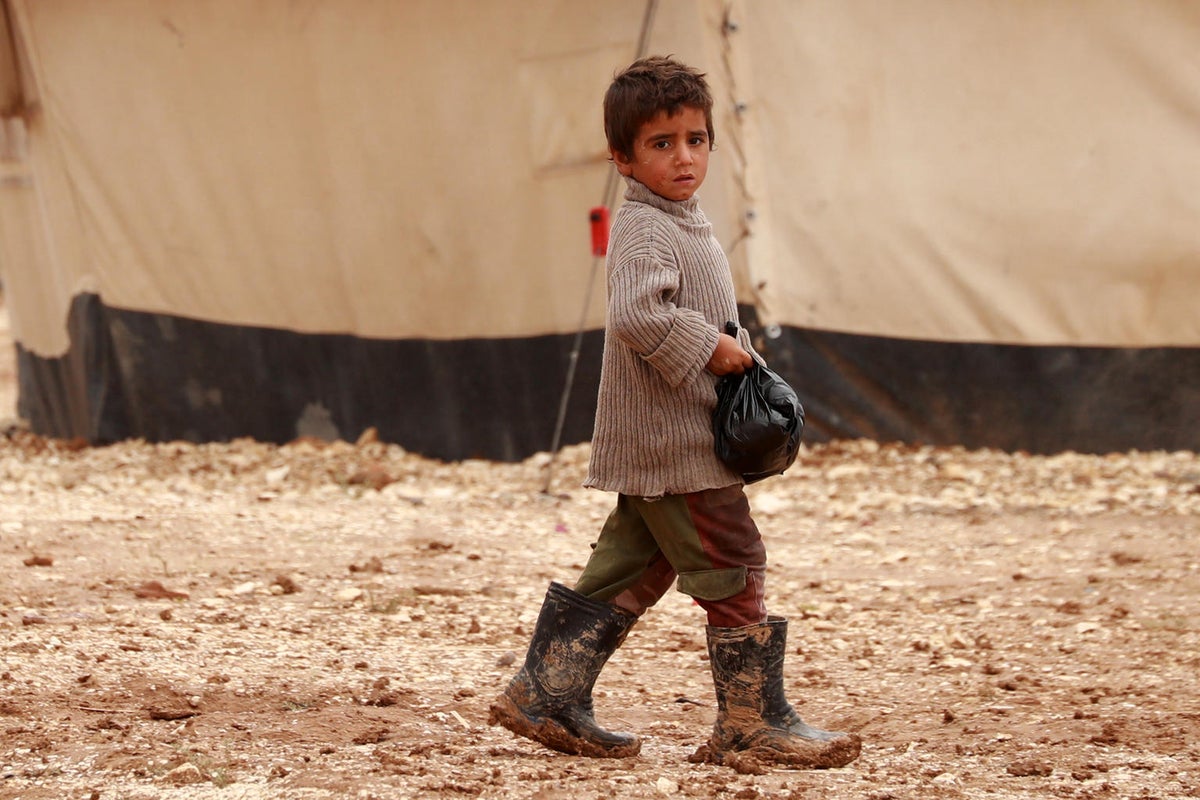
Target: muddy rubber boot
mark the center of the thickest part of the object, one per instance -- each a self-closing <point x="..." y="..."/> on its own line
<point x="550" y="699"/>
<point x="756" y="726"/>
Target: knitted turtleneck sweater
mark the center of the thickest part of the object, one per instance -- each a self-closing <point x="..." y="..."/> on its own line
<point x="670" y="293"/>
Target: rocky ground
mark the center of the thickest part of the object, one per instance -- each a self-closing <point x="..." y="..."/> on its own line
<point x="323" y="620"/>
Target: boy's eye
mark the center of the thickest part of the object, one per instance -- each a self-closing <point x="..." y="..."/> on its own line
<point x="661" y="144"/>
<point x="696" y="141"/>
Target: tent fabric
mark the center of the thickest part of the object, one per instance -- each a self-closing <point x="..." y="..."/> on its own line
<point x="946" y="221"/>
<point x="980" y="171"/>
<point x="160" y="378"/>
<point x="1042" y="400"/>
<point x="386" y="170"/>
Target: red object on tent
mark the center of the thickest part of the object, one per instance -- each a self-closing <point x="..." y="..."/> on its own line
<point x="599" y="220"/>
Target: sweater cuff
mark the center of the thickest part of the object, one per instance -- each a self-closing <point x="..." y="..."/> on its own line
<point x="686" y="349"/>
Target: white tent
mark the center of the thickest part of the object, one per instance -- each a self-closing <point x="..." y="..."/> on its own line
<point x="969" y="221"/>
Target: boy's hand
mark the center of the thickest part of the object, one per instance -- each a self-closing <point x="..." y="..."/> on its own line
<point x="729" y="357"/>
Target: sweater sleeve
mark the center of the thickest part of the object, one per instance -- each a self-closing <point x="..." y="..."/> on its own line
<point x="676" y="341"/>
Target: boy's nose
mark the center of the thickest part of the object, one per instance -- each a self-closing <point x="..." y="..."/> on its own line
<point x="685" y="155"/>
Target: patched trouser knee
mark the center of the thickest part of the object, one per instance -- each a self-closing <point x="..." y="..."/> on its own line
<point x="713" y="584"/>
<point x="706" y="539"/>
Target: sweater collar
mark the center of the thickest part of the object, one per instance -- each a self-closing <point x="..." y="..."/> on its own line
<point x="686" y="211"/>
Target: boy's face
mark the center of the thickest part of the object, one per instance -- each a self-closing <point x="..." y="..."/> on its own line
<point x="670" y="154"/>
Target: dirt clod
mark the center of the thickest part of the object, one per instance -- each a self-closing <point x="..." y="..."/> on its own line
<point x="154" y="590"/>
<point x="1030" y="766"/>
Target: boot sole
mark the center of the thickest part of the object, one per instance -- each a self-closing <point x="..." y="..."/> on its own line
<point x="552" y="734"/>
<point x="806" y="754"/>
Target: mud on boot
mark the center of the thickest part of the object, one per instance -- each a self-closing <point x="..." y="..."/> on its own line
<point x="756" y="726"/>
<point x="550" y="698"/>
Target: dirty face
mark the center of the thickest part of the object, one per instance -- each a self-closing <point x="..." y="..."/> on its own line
<point x="670" y="154"/>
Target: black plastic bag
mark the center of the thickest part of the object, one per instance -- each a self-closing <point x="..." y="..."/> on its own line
<point x="757" y="423"/>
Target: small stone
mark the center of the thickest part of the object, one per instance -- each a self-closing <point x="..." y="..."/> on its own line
<point x="349" y="595"/>
<point x="184" y="775"/>
<point x="1030" y="767"/>
<point x="372" y="476"/>
<point x="275" y="477"/>
<point x="286" y="584"/>
<point x="373" y="564"/>
<point x="154" y="590"/>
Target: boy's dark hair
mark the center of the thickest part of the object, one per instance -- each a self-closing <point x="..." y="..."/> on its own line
<point x="646" y="87"/>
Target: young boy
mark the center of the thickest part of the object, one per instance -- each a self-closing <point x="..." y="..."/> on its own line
<point x="680" y="512"/>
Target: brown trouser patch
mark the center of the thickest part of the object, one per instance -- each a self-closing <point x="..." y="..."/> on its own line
<point x="707" y="539"/>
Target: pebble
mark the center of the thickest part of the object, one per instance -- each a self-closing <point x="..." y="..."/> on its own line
<point x="184" y="775"/>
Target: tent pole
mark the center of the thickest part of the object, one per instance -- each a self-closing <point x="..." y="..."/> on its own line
<point x="610" y="192"/>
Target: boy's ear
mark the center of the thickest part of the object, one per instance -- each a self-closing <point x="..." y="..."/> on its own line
<point x="624" y="165"/>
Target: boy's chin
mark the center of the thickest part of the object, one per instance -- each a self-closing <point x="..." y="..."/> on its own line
<point x="679" y="195"/>
<point x="677" y="191"/>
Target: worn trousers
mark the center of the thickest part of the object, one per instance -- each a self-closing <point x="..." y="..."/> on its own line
<point x="706" y="539"/>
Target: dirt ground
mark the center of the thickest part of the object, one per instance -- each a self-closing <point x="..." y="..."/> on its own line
<point x="331" y="620"/>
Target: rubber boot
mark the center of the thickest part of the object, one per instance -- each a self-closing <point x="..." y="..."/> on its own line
<point x="550" y="698"/>
<point x="756" y="725"/>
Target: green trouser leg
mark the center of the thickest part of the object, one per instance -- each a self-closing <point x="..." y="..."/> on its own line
<point x="706" y="538"/>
